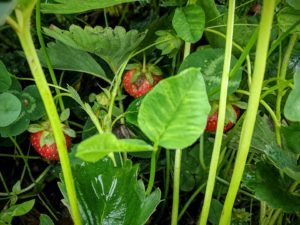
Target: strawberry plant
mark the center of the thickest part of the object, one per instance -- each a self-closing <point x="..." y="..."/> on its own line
<point x="140" y="112"/>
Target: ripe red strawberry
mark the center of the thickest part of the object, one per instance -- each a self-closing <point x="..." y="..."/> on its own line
<point x="139" y="79"/>
<point x="211" y="125"/>
<point x="42" y="139"/>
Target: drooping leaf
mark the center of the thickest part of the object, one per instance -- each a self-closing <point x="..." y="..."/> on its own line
<point x="45" y="220"/>
<point x="287" y="17"/>
<point x="10" y="109"/>
<point x="211" y="63"/>
<point x="112" y="45"/>
<point x="100" y="145"/>
<point x="5" y="80"/>
<point x="292" y="106"/>
<point x="64" y="57"/>
<point x="78" y="6"/>
<point x="264" y="142"/>
<point x="269" y="186"/>
<point x="111" y="195"/>
<point x="7" y="215"/>
<point x="173" y="115"/>
<point x="6" y="7"/>
<point x="189" y="22"/>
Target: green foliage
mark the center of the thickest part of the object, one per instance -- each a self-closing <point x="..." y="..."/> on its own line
<point x="189" y="22"/>
<point x="100" y="145"/>
<point x="64" y="57"/>
<point x="10" y="109"/>
<point x="6" y="7"/>
<point x="270" y="187"/>
<point x="287" y="17"/>
<point x="112" y="45"/>
<point x="211" y="63"/>
<point x="5" y="80"/>
<point x="45" y="220"/>
<point x="294" y="3"/>
<point x="173" y="115"/>
<point x="291" y="138"/>
<point x="7" y="215"/>
<point x="111" y="195"/>
<point x="132" y="111"/>
<point x="292" y="105"/>
<point x="77" y="6"/>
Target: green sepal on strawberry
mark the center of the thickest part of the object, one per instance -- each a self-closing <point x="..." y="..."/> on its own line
<point x="232" y="114"/>
<point x="42" y="139"/>
<point x="140" y="79"/>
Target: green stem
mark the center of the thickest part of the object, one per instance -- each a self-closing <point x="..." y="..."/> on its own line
<point x="221" y="117"/>
<point x="176" y="187"/>
<point x="47" y="59"/>
<point x="152" y="170"/>
<point x="25" y="38"/>
<point x="262" y="213"/>
<point x="248" y="125"/>
<point x="282" y="77"/>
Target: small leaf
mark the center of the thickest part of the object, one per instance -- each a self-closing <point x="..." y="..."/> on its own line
<point x="189" y="22"/>
<point x="77" y="6"/>
<point x="111" y="195"/>
<point x="211" y="63"/>
<point x="292" y="106"/>
<point x="112" y="45"/>
<point x="100" y="145"/>
<point x="64" y="115"/>
<point x="5" y="80"/>
<point x="45" y="220"/>
<point x="10" y="109"/>
<point x="173" y="115"/>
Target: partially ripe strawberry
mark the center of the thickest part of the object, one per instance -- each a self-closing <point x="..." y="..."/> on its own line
<point x="46" y="150"/>
<point x="211" y="125"/>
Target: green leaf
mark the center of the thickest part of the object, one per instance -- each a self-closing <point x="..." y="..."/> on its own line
<point x="132" y="111"/>
<point x="211" y="63"/>
<point x="287" y="17"/>
<point x="100" y="145"/>
<point x="294" y="3"/>
<point x="45" y="220"/>
<point x="292" y="106"/>
<point x="64" y="115"/>
<point x="173" y="115"/>
<point x="215" y="212"/>
<point x="189" y="22"/>
<point x="78" y="6"/>
<point x="10" y="109"/>
<point x="111" y="195"/>
<point x="6" y="8"/>
<point x="17" y="127"/>
<point x="16" y="210"/>
<point x="5" y="80"/>
<point x="64" y="57"/>
<point x="269" y="186"/>
<point x="291" y="138"/>
<point x="112" y="45"/>
<point x="33" y="103"/>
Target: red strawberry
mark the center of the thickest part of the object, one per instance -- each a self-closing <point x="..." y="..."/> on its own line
<point x="211" y="125"/>
<point x="139" y="79"/>
<point x="42" y="139"/>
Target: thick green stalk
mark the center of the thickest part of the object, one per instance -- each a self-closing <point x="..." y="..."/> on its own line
<point x="176" y="186"/>
<point x="22" y="28"/>
<point x="221" y="117"/>
<point x="249" y="122"/>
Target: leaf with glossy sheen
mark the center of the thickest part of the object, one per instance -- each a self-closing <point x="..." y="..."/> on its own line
<point x="5" y="80"/>
<point x="78" y="6"/>
<point x="269" y="186"/>
<point x="10" y="109"/>
<point x="111" y="195"/>
<point x="112" y="45"/>
<point x="292" y="106"/>
<point x="173" y="115"/>
<point x="189" y="22"/>
<point x="64" y="57"/>
<point x="100" y="145"/>
<point x="211" y="61"/>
